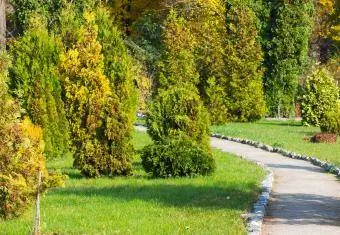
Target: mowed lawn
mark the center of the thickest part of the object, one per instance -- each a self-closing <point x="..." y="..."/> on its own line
<point x="290" y="135"/>
<point x="142" y="205"/>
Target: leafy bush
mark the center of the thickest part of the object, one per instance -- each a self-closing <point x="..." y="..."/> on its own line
<point x="178" y="111"/>
<point x="35" y="82"/>
<point x="100" y="125"/>
<point x="176" y="157"/>
<point x="331" y="121"/>
<point x="320" y="97"/>
<point x="21" y="154"/>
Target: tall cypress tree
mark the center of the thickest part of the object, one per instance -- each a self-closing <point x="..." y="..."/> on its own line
<point x="286" y="53"/>
<point x="35" y="82"/>
<point x="243" y="60"/>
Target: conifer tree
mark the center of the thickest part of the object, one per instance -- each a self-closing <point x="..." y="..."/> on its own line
<point x="177" y="108"/>
<point x="243" y="66"/>
<point x="286" y="53"/>
<point x="35" y="82"/>
<point x="21" y="153"/>
<point x="98" y="136"/>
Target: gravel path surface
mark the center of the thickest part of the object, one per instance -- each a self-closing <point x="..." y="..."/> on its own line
<point x="305" y="200"/>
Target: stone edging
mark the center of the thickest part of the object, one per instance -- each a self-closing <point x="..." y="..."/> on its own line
<point x="256" y="216"/>
<point x="328" y="167"/>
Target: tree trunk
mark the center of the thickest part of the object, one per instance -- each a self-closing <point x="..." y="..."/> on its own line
<point x="2" y="23"/>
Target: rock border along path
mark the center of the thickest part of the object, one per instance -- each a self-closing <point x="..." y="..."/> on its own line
<point x="304" y="200"/>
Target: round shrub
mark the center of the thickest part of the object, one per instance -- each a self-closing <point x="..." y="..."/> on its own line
<point x="320" y="95"/>
<point x="177" y="111"/>
<point x="177" y="157"/>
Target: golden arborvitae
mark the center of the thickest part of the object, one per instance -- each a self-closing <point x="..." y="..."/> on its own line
<point x="92" y="107"/>
<point x="21" y="154"/>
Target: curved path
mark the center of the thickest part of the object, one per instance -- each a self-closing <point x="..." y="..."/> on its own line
<point x="305" y="200"/>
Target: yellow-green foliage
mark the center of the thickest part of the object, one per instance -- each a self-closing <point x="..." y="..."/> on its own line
<point x="21" y="154"/>
<point x="179" y="111"/>
<point x="331" y="122"/>
<point x="320" y="97"/>
<point x="207" y="23"/>
<point x="177" y="108"/>
<point x="36" y="84"/>
<point x="93" y="109"/>
<point x="244" y="57"/>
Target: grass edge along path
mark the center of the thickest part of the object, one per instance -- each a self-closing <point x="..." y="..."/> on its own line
<point x="288" y="135"/>
<point x="140" y="205"/>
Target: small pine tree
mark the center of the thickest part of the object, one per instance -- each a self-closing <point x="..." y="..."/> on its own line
<point x="93" y="109"/>
<point x="35" y="82"/>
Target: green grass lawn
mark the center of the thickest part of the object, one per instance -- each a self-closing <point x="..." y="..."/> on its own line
<point x="142" y="205"/>
<point x="290" y="135"/>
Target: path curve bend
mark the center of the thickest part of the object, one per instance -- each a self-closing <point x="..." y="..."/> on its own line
<point x="305" y="200"/>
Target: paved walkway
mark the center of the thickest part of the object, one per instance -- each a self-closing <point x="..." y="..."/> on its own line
<point x="305" y="200"/>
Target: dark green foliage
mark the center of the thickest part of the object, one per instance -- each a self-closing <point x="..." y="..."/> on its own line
<point x="50" y="9"/>
<point x="286" y="53"/>
<point x="244" y="91"/>
<point x="320" y="96"/>
<point x="179" y="111"/>
<point x="176" y="157"/>
<point x="36" y="84"/>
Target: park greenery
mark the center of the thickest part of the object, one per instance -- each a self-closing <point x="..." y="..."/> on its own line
<point x="74" y="73"/>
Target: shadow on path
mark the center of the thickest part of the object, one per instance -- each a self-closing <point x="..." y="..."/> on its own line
<point x="302" y="209"/>
<point x="296" y="167"/>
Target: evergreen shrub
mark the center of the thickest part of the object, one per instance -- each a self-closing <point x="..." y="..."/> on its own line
<point x="36" y="84"/>
<point x="178" y="111"/>
<point x="331" y="121"/>
<point x="21" y="154"/>
<point x="98" y="101"/>
<point x="319" y="97"/>
<point x="177" y="157"/>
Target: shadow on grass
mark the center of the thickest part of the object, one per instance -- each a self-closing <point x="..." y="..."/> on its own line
<point x="209" y="197"/>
